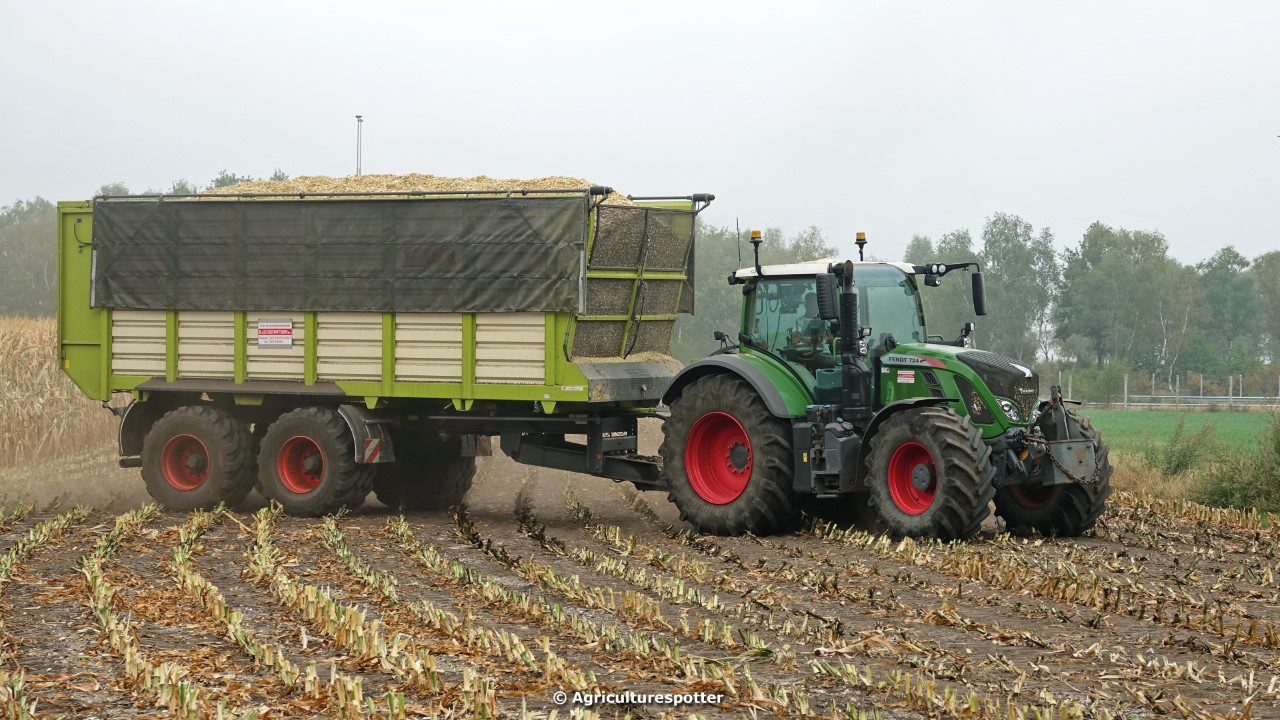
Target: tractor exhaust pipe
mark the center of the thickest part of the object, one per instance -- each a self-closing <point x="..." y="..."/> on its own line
<point x="855" y="378"/>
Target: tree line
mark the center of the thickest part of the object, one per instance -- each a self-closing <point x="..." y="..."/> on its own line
<point x="1114" y="303"/>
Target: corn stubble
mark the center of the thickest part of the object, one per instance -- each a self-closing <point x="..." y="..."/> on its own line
<point x="826" y="622"/>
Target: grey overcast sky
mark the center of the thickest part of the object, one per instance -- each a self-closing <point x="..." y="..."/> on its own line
<point x="890" y="117"/>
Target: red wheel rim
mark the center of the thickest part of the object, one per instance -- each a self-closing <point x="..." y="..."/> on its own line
<point x="1032" y="498"/>
<point x="184" y="462"/>
<point x="717" y="458"/>
<point x="913" y="479"/>
<point x="300" y="464"/>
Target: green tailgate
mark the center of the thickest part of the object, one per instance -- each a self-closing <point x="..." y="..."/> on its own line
<point x="84" y="333"/>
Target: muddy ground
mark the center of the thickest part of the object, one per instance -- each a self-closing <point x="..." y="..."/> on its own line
<point x="547" y="582"/>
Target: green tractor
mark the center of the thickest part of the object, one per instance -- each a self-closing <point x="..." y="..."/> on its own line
<point x="836" y="402"/>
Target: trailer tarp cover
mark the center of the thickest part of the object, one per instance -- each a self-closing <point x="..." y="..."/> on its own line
<point x="475" y="254"/>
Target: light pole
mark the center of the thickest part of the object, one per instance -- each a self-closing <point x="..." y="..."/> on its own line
<point x="359" y="140"/>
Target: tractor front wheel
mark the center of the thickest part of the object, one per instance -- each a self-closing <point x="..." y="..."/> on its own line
<point x="728" y="460"/>
<point x="931" y="474"/>
<point x="196" y="457"/>
<point x="1063" y="510"/>
<point x="307" y="463"/>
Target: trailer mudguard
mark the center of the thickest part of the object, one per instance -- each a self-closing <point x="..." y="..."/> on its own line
<point x="371" y="434"/>
<point x="781" y="393"/>
<point x="138" y="416"/>
<point x="135" y="421"/>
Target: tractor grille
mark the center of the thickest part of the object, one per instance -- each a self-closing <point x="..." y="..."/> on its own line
<point x="1006" y="378"/>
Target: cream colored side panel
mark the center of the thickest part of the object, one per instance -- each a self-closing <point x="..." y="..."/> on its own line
<point x="429" y="347"/>
<point x="137" y="342"/>
<point x="206" y="344"/>
<point x="511" y="348"/>
<point x="275" y="363"/>
<point x="349" y="346"/>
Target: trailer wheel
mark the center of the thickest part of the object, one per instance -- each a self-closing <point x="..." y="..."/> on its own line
<point x="931" y="474"/>
<point x="1063" y="510"/>
<point x="307" y="462"/>
<point x="430" y="473"/>
<point x="196" y="457"/>
<point x="368" y="474"/>
<point x="728" y="460"/>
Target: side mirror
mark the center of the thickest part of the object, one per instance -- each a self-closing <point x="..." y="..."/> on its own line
<point x="827" y="308"/>
<point x="979" y="294"/>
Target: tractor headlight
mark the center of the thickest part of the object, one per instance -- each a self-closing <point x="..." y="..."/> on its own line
<point x="1010" y="411"/>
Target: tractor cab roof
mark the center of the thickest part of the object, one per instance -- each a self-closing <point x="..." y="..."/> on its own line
<point x="812" y="267"/>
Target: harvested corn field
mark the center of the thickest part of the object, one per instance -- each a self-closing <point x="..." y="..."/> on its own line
<point x="545" y="583"/>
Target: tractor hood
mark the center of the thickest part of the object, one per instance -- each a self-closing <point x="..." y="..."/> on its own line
<point x="1004" y="378"/>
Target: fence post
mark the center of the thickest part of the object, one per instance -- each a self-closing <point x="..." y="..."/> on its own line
<point x="1201" y="384"/>
<point x="1231" y="388"/>
<point x="1126" y="391"/>
<point x="1177" y="389"/>
<point x="1153" y="387"/>
<point x="1070" y="378"/>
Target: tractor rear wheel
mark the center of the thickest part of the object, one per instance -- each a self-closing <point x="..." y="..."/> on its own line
<point x="1062" y="510"/>
<point x="307" y="463"/>
<point x="931" y="474"/>
<point x="430" y="473"/>
<point x="728" y="460"/>
<point x="196" y="457"/>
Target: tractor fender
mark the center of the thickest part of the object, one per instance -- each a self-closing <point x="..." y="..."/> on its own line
<point x="885" y="413"/>
<point x="735" y="365"/>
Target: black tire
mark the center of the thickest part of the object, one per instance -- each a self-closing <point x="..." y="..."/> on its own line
<point x="256" y="433"/>
<point x="1061" y="510"/>
<point x="750" y="490"/>
<point x="931" y="474"/>
<point x="196" y="457"/>
<point x="368" y="473"/>
<point x="307" y="462"/>
<point x="430" y="473"/>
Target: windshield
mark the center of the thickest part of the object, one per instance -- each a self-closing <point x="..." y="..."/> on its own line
<point x="783" y="315"/>
<point x="888" y="303"/>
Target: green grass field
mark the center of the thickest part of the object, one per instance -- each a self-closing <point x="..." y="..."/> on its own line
<point x="1133" y="431"/>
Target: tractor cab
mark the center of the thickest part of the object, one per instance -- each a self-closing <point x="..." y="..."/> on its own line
<point x="782" y="317"/>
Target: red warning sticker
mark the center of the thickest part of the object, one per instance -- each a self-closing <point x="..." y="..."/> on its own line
<point x="906" y="376"/>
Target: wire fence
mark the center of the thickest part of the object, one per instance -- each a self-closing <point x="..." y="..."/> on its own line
<point x="1200" y="402"/>
<point x="1164" y="395"/>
